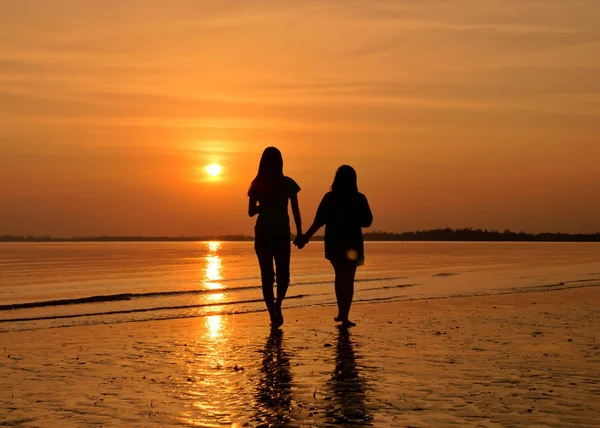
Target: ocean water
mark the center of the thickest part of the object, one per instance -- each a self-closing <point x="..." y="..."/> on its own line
<point x="45" y="285"/>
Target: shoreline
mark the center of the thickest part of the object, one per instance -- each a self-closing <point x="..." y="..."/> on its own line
<point x="519" y="358"/>
<point x="562" y="286"/>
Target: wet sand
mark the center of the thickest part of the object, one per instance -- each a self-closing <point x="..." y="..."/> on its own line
<point x="527" y="359"/>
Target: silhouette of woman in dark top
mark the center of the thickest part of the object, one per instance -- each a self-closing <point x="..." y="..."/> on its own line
<point x="344" y="211"/>
<point x="269" y="195"/>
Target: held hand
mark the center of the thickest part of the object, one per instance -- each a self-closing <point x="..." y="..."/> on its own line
<point x="300" y="241"/>
<point x="297" y="241"/>
<point x="305" y="240"/>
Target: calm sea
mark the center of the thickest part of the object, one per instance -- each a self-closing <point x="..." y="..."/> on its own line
<point x="64" y="284"/>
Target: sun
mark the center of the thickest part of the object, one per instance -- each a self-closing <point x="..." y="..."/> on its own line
<point x="214" y="169"/>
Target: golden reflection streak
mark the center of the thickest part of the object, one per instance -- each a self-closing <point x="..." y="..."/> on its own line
<point x="212" y="271"/>
<point x="216" y="297"/>
<point x="209" y="371"/>
<point x="212" y="276"/>
<point x="214" y="325"/>
<point x="214" y="246"/>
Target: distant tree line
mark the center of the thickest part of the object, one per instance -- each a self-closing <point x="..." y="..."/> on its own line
<point x="447" y="234"/>
<point x="470" y="234"/>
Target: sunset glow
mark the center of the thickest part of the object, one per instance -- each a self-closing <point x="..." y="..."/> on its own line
<point x="484" y="114"/>
<point x="299" y="212"/>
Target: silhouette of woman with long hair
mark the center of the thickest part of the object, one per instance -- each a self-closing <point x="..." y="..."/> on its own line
<point x="344" y="211"/>
<point x="270" y="193"/>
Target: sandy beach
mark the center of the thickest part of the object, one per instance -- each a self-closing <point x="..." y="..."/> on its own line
<point x="524" y="359"/>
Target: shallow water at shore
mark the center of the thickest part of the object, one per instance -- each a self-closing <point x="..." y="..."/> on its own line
<point x="64" y="284"/>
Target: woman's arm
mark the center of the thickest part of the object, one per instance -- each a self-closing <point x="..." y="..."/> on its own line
<point x="253" y="207"/>
<point x="320" y="218"/>
<point x="296" y="213"/>
<point x="366" y="218"/>
<point x="312" y="230"/>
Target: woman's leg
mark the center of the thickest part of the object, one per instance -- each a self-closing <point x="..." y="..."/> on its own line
<point x="350" y="274"/>
<point x="338" y="285"/>
<point x="267" y="274"/>
<point x="345" y="273"/>
<point x="282" y="269"/>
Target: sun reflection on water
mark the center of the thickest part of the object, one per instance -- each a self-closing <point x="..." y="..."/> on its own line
<point x="214" y="325"/>
<point x="214" y="266"/>
<point x="212" y="276"/>
<point x="218" y="297"/>
<point x="210" y="368"/>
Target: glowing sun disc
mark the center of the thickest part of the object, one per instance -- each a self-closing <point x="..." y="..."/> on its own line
<point x="214" y="169"/>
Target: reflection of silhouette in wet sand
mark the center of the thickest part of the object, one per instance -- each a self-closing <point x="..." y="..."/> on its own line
<point x="274" y="396"/>
<point x="348" y="402"/>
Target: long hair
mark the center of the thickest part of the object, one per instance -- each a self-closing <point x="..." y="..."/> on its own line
<point x="345" y="182"/>
<point x="270" y="173"/>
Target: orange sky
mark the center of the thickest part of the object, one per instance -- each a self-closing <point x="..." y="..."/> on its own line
<point x="463" y="113"/>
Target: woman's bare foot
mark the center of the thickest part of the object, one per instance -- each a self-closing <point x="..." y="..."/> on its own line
<point x="273" y="317"/>
<point x="348" y="323"/>
<point x="277" y="318"/>
<point x="337" y="318"/>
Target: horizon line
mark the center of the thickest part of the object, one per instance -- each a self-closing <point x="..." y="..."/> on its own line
<point x="424" y="233"/>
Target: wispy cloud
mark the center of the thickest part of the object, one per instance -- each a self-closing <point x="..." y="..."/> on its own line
<point x="393" y="85"/>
